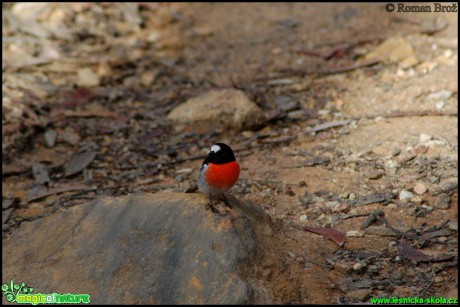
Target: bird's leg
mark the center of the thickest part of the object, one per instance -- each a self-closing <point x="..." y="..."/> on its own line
<point x="226" y="201"/>
<point x="211" y="206"/>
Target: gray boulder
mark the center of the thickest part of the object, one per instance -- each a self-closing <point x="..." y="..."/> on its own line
<point x="162" y="248"/>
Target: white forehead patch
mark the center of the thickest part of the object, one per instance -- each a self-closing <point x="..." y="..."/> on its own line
<point x="215" y="148"/>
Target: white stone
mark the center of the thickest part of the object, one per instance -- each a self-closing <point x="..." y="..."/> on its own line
<point x="424" y="138"/>
<point x="405" y="195"/>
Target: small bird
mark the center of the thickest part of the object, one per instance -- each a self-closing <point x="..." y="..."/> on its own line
<point x="219" y="172"/>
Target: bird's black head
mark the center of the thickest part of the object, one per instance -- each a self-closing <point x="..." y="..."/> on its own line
<point x="220" y="154"/>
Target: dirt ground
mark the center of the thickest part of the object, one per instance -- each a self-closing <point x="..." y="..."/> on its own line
<point x="356" y="138"/>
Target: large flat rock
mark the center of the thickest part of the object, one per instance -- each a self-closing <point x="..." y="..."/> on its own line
<point x="163" y="248"/>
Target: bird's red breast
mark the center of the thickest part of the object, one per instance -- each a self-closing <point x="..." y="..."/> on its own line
<point x="223" y="176"/>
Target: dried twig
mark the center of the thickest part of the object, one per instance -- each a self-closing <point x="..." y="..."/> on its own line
<point x="326" y="54"/>
<point x="280" y="139"/>
<point x="335" y="70"/>
<point x="69" y="113"/>
<point x="326" y="126"/>
<point x="373" y="216"/>
<point x="410" y="114"/>
<point x="312" y="162"/>
<point x="347" y="68"/>
<point x="341" y="48"/>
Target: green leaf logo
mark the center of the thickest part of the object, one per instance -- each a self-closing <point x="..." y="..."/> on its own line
<point x="12" y="290"/>
<point x="4" y="287"/>
<point x="10" y="297"/>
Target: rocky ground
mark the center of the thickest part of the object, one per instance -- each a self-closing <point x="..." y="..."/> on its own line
<point x="342" y="116"/>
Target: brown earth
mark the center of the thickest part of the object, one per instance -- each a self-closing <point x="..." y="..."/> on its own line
<point x="401" y="129"/>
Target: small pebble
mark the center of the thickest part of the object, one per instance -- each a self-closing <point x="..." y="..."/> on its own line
<point x="357" y="266"/>
<point x="406" y="157"/>
<point x="441" y="95"/>
<point x="86" y="77"/>
<point x="395" y="152"/>
<point x="344" y="195"/>
<point x="340" y="208"/>
<point x="70" y="136"/>
<point x="416" y="200"/>
<point x="359" y="295"/>
<point x="266" y="273"/>
<point x="420" y="188"/>
<point x="375" y="175"/>
<point x="355" y="233"/>
<point x="424" y="138"/>
<point x="440" y="105"/>
<point x="453" y="225"/>
<point x="352" y="196"/>
<point x="292" y="255"/>
<point x="446" y="187"/>
<point x="428" y="208"/>
<point x="392" y="247"/>
<point x="381" y="231"/>
<point x="442" y="239"/>
<point x="50" y="137"/>
<point x="392" y="206"/>
<point x="297" y="114"/>
<point x="392" y="164"/>
<point x="420" y="150"/>
<point x="442" y="202"/>
<point x="303" y="217"/>
<point x="405" y="195"/>
<point x="438" y="279"/>
<point x="331" y="204"/>
<point x="447" y="53"/>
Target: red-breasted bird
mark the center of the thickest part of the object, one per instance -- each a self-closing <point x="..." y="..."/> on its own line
<point x="218" y="173"/>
